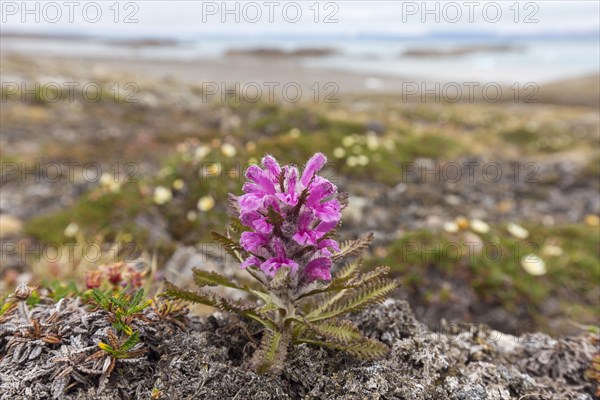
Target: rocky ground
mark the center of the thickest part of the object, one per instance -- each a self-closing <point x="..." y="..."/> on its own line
<point x="209" y="360"/>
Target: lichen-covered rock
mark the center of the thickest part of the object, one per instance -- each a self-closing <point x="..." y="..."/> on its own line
<point x="208" y="361"/>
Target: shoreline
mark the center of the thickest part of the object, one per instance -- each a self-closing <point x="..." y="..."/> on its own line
<point x="313" y="83"/>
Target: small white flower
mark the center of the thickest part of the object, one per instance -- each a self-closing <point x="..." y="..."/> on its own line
<point x="533" y="265"/>
<point x="206" y="203"/>
<point x="352" y="161"/>
<point x="178" y="184"/>
<point x="162" y="195"/>
<point x="295" y="133"/>
<point x="451" y="227"/>
<point x="201" y="152"/>
<point x="339" y="152"/>
<point x="552" y="250"/>
<point x="106" y="179"/>
<point x="228" y="150"/>
<point x="517" y="231"/>
<point x="110" y="182"/>
<point x="372" y="141"/>
<point x="71" y="229"/>
<point x="362" y="160"/>
<point x="479" y="226"/>
<point x="192" y="216"/>
<point x="348" y="141"/>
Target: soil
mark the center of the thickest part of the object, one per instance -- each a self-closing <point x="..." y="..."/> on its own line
<point x="209" y="361"/>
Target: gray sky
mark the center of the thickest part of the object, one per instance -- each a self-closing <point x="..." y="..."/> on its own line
<point x="189" y="18"/>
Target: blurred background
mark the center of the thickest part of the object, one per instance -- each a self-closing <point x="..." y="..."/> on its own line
<point x="465" y="132"/>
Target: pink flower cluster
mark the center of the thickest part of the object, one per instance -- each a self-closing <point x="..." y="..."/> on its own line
<point x="289" y="215"/>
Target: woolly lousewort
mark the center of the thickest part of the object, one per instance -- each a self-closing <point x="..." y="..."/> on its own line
<point x="286" y="221"/>
<point x="289" y="216"/>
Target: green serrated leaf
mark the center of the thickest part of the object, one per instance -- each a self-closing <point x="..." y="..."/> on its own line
<point x="140" y="307"/>
<point x="131" y="342"/>
<point x="361" y="279"/>
<point x="122" y="327"/>
<point x="320" y="288"/>
<point x="231" y="246"/>
<point x="350" y="276"/>
<point x="193" y="296"/>
<point x="341" y="331"/>
<point x="236" y="225"/>
<point x="118" y="301"/>
<point x="351" y="248"/>
<point x="210" y="278"/>
<point x="137" y="298"/>
<point x="100" y="298"/>
<point x="6" y="308"/>
<point x="349" y="270"/>
<point x="366" y="349"/>
<point x="214" y="300"/>
<point x="355" y="299"/>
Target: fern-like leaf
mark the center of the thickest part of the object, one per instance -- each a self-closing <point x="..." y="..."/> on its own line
<point x="119" y="301"/>
<point x="365" y="348"/>
<point x="346" y="273"/>
<point x="137" y="298"/>
<point x="317" y="287"/>
<point x="236" y="225"/>
<point x="214" y="300"/>
<point x="209" y="299"/>
<point x="272" y="352"/>
<point x="230" y="245"/>
<point x="139" y="308"/>
<point x="361" y="279"/>
<point x="120" y="326"/>
<point x="351" y="248"/>
<point x="343" y="198"/>
<point x="210" y="278"/>
<point x="374" y="291"/>
<point x="131" y="342"/>
<point x="100" y="298"/>
<point x="349" y="270"/>
<point x="342" y="331"/>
